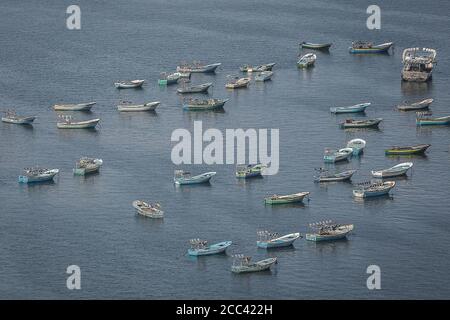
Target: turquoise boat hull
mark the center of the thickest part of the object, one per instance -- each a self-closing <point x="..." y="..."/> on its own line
<point x="212" y="249"/>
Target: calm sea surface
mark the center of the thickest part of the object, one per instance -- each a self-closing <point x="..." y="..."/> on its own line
<point x="90" y="222"/>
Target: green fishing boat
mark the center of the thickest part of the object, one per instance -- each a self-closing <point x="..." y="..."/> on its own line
<point x="418" y="149"/>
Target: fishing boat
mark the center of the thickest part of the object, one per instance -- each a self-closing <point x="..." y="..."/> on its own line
<point x="67" y="123"/>
<point x="197" y="67"/>
<point x="315" y="46"/>
<point x="326" y="176"/>
<point x="249" y="170"/>
<point x="307" y="60"/>
<point x="243" y="264"/>
<point x="351" y="123"/>
<point x="37" y="174"/>
<point x="418" y="64"/>
<point x="370" y="189"/>
<point x="11" y="117"/>
<point x="87" y="165"/>
<point x="333" y="156"/>
<point x="264" y="76"/>
<point x="148" y="210"/>
<point x="408" y="150"/>
<point x="328" y="231"/>
<point x="398" y="170"/>
<point x="74" y="107"/>
<point x="126" y="106"/>
<point x="369" y="47"/>
<point x="406" y="106"/>
<point x="168" y="79"/>
<point x="290" y="198"/>
<point x="260" y="68"/>
<point x="199" y="88"/>
<point x="423" y="120"/>
<point x="351" y="109"/>
<point x="203" y="104"/>
<point x="357" y="145"/>
<point x="129" y="84"/>
<point x="236" y="82"/>
<point x="268" y="239"/>
<point x="182" y="177"/>
<point x="201" y="248"/>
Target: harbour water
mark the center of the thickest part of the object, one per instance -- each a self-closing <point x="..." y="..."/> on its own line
<point x="89" y="221"/>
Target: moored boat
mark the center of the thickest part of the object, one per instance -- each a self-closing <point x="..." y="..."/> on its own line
<point x="197" y="67"/>
<point x="369" y="47"/>
<point x="268" y="239"/>
<point x="243" y="264"/>
<point x="407" y="150"/>
<point x="423" y="120"/>
<point x="236" y="82"/>
<point x="290" y="198"/>
<point x="260" y="68"/>
<point x="249" y="170"/>
<point x="199" y="88"/>
<point x="201" y="248"/>
<point x="264" y="76"/>
<point x="351" y="109"/>
<point x="328" y="231"/>
<point x="168" y="79"/>
<point x="148" y="210"/>
<point x="315" y="46"/>
<point x="126" y="106"/>
<point x="307" y="60"/>
<point x="370" y="189"/>
<point x="87" y="165"/>
<point x="406" y="106"/>
<point x="203" y="104"/>
<point x="395" y="171"/>
<point x="129" y="84"/>
<point x="418" y="64"/>
<point x="357" y="145"/>
<point x="67" y="123"/>
<point x="337" y="155"/>
<point x="74" y="106"/>
<point x="326" y="176"/>
<point x="37" y="174"/>
<point x="351" y="123"/>
<point x="182" y="177"/>
<point x="11" y="117"/>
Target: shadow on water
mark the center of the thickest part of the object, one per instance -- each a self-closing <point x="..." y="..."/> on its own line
<point x="280" y="207"/>
<point x="329" y="246"/>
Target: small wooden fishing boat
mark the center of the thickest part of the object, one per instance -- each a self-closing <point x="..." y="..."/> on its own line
<point x="129" y="84"/>
<point x="67" y="123"/>
<point x="418" y="64"/>
<point x="369" y="47"/>
<point x="74" y="107"/>
<point x="201" y="248"/>
<point x="351" y="123"/>
<point x="267" y="240"/>
<point x="182" y="177"/>
<point x="369" y="189"/>
<point x="236" y="82"/>
<point x="11" y="117"/>
<point x="197" y="67"/>
<point x="326" y="176"/>
<point x="406" y="106"/>
<point x="395" y="171"/>
<point x="307" y="60"/>
<point x="315" y="46"/>
<point x="422" y="120"/>
<point x="126" y="106"/>
<point x="290" y="198"/>
<point x="351" y="109"/>
<point x="199" y="88"/>
<point x="203" y="104"/>
<point x="417" y="149"/>
<point x="37" y="174"/>
<point x="333" y="156"/>
<point x="249" y="170"/>
<point x="148" y="210"/>
<point x="168" y="79"/>
<point x="328" y="231"/>
<point x="243" y="264"/>
<point x="87" y="165"/>
<point x="260" y="68"/>
<point x="357" y="145"/>
<point x="264" y="76"/>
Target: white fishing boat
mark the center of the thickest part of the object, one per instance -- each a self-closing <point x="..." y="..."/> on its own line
<point x="182" y="177"/>
<point x="307" y="60"/>
<point x="285" y="199"/>
<point x="148" y="210"/>
<point x="237" y="82"/>
<point x="395" y="171"/>
<point x="357" y="145"/>
<point x="406" y="106"/>
<point x="361" y="107"/>
<point x="129" y="84"/>
<point x="268" y="239"/>
<point x="337" y="155"/>
<point x="199" y="88"/>
<point x="37" y="174"/>
<point x="11" y="117"/>
<point x="328" y="231"/>
<point x="87" y="165"/>
<point x="260" y="68"/>
<point x="74" y="107"/>
<point x="326" y="176"/>
<point x="126" y="106"/>
<point x="243" y="264"/>
<point x="67" y="123"/>
<point x="264" y="76"/>
<point x="197" y="67"/>
<point x="370" y="189"/>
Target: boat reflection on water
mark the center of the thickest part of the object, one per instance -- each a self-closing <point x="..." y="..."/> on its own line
<point x="373" y="201"/>
<point x="415" y="89"/>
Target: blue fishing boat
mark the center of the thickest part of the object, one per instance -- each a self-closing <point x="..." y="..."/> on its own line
<point x="369" y="47"/>
<point x="182" y="177"/>
<point x="367" y="190"/>
<point x="268" y="239"/>
<point x="201" y="248"/>
<point x="245" y="171"/>
<point x="328" y="231"/>
<point x="357" y="145"/>
<point x="333" y="156"/>
<point x="37" y="175"/>
<point x="351" y="109"/>
<point x="431" y="121"/>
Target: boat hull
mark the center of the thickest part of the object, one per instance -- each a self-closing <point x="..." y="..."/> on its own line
<point x="22" y="120"/>
<point x="42" y="178"/>
<point x="343" y="176"/>
<point x="351" y="109"/>
<point x="121" y="85"/>
<point x="213" y="249"/>
<point x="316" y="46"/>
<point x="317" y="237"/>
<point x="383" y="48"/>
<point x="374" y="193"/>
<point x="293" y="199"/>
<point x="210" y="68"/>
<point x="203" y="178"/>
<point x="78" y="125"/>
<point x="255" y="267"/>
<point x="74" y="107"/>
<point x="135" y="108"/>
<point x="411" y="151"/>
<point x="195" y="89"/>
<point x="433" y="121"/>
<point x="366" y="124"/>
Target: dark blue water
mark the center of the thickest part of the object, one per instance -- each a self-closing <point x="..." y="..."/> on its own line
<point x="90" y="222"/>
